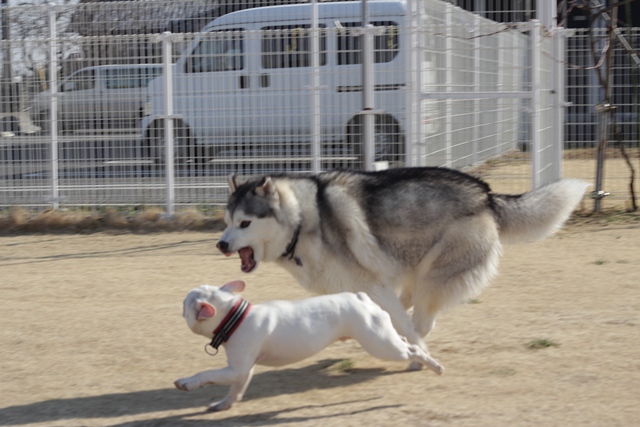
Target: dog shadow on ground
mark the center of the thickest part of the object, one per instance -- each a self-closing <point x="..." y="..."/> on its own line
<point x="265" y="384"/>
<point x="266" y="418"/>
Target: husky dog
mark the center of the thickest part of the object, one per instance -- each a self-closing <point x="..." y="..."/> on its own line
<point x="427" y="238"/>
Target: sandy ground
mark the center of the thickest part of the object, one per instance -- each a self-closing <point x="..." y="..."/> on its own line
<point x="512" y="176"/>
<point x="91" y="334"/>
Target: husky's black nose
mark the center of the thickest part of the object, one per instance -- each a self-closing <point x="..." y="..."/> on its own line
<point x="223" y="246"/>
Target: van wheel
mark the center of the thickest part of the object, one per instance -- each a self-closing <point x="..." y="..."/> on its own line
<point x="389" y="143"/>
<point x="10" y="124"/>
<point x="183" y="151"/>
<point x="43" y="119"/>
<point x="388" y="140"/>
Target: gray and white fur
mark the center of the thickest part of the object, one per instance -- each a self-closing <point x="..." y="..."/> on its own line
<point x="427" y="238"/>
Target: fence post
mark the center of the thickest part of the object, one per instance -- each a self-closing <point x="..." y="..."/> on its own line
<point x="168" y="122"/>
<point x="414" y="145"/>
<point x="448" y="109"/>
<point x="475" y="132"/>
<point x="535" y="103"/>
<point x="53" y="118"/>
<point x="500" y="87"/>
<point x="558" y="104"/>
<point x="368" y="122"/>
<point x="315" y="88"/>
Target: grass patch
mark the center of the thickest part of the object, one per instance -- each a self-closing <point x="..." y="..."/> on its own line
<point x="473" y="301"/>
<point x="344" y="365"/>
<point x="503" y="372"/>
<point x="541" y="343"/>
<point x="600" y="262"/>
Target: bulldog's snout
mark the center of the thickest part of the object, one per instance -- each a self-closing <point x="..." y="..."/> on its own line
<point x="223" y="246"/>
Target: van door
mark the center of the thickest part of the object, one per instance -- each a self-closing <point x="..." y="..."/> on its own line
<point x="78" y="100"/>
<point x="389" y="87"/>
<point x="280" y="108"/>
<point x="211" y="86"/>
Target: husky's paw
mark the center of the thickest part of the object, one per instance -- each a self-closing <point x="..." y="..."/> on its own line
<point x="223" y="405"/>
<point x="185" y="384"/>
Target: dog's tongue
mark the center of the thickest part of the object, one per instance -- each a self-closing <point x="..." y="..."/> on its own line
<point x="246" y="257"/>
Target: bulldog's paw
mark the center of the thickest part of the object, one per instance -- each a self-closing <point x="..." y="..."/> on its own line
<point x="185" y="384"/>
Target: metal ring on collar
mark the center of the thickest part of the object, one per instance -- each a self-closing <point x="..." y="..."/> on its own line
<point x="206" y="350"/>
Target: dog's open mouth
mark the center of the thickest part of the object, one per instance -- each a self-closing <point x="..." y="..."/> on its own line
<point x="246" y="257"/>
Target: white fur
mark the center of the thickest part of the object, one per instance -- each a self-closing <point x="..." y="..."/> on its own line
<point x="282" y="332"/>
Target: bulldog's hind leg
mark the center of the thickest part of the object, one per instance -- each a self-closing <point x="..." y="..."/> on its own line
<point x="377" y="335"/>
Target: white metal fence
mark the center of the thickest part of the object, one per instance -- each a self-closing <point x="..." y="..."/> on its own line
<point x="94" y="88"/>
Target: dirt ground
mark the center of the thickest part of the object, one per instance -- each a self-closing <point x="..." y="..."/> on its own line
<point x="91" y="334"/>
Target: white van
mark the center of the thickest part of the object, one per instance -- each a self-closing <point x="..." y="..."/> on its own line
<point x="244" y="83"/>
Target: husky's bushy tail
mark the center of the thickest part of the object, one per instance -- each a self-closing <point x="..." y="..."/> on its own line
<point x="538" y="213"/>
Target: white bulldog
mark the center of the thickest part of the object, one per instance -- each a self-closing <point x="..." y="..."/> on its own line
<point x="278" y="333"/>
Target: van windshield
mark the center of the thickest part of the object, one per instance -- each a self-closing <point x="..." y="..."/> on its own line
<point x="82" y="80"/>
<point x="129" y="78"/>
<point x="218" y="51"/>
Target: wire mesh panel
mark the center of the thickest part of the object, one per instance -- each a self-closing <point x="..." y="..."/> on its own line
<point x="586" y="58"/>
<point x="99" y="104"/>
<point x="25" y="159"/>
<point x="102" y="107"/>
<point x="544" y="156"/>
<point x="474" y="94"/>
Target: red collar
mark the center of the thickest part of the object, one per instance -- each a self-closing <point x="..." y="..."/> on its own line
<point x="230" y="323"/>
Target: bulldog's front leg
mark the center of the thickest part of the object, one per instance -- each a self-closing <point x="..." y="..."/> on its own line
<point x="236" y="392"/>
<point x="226" y="376"/>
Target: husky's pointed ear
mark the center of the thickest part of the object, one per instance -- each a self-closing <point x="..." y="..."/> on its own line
<point x="266" y="187"/>
<point x="205" y="311"/>
<point x="231" y="179"/>
<point x="234" y="287"/>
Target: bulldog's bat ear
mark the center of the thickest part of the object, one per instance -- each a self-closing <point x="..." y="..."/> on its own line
<point x="205" y="311"/>
<point x="266" y="187"/>
<point x="231" y="180"/>
<point x="234" y="287"/>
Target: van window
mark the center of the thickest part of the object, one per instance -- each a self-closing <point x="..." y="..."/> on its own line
<point x="385" y="46"/>
<point x="129" y="78"/>
<point x="289" y="46"/>
<point x="218" y="51"/>
<point x="82" y="80"/>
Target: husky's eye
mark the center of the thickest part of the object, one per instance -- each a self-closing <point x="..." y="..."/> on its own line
<point x="245" y="224"/>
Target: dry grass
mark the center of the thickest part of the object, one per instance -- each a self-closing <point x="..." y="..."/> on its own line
<point x="608" y="216"/>
<point x="610" y="153"/>
<point x="22" y="221"/>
